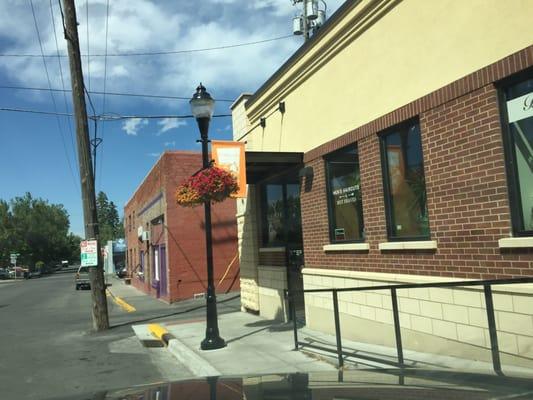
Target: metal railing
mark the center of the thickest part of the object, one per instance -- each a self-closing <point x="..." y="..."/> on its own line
<point x="487" y="288"/>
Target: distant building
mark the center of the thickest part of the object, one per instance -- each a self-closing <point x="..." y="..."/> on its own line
<point x="114" y="255"/>
<point x="166" y="242"/>
<point x="396" y="146"/>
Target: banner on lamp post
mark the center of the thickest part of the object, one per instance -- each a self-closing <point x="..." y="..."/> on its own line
<point x="230" y="156"/>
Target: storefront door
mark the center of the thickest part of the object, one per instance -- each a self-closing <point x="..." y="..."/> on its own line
<point x="282" y="228"/>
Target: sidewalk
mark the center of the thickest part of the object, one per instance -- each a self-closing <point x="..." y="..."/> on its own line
<point x="259" y="346"/>
<point x="254" y="346"/>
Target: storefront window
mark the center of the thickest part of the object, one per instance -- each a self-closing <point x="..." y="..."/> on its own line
<point x="344" y="196"/>
<point x="519" y="145"/>
<point x="280" y="209"/>
<point x="404" y="183"/>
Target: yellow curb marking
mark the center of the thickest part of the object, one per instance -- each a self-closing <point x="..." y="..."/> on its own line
<point x="120" y="302"/>
<point x="157" y="330"/>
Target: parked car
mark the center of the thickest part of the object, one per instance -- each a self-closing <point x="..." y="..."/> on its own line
<point x="4" y="273"/>
<point x="82" y="278"/>
<point x="35" y="274"/>
<point x="122" y="271"/>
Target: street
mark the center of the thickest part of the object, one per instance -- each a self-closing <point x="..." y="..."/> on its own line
<point x="47" y="349"/>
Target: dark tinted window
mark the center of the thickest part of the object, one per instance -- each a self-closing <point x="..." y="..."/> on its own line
<point x="519" y="137"/>
<point x="344" y="196"/>
<point x="404" y="183"/>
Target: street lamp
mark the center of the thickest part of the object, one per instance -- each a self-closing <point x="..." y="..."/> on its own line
<point x="202" y="107"/>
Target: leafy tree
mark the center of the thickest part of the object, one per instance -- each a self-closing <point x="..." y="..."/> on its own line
<point x="34" y="228"/>
<point x="111" y="227"/>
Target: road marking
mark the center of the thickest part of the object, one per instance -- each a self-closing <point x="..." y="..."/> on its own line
<point x="120" y="302"/>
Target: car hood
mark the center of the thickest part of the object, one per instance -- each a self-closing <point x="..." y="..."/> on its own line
<point x="354" y="384"/>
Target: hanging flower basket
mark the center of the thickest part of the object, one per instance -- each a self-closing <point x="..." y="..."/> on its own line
<point x="210" y="184"/>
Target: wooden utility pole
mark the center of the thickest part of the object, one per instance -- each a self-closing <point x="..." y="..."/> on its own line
<point x="96" y="274"/>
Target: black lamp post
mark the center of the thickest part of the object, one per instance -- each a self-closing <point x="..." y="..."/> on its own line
<point x="202" y="107"/>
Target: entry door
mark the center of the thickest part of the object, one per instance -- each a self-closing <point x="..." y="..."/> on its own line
<point x="282" y="227"/>
<point x="162" y="271"/>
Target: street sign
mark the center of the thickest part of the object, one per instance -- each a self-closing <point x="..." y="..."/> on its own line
<point x="89" y="253"/>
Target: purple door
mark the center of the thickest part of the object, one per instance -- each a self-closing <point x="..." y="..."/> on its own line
<point x="162" y="271"/>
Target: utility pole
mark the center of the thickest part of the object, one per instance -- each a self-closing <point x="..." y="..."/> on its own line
<point x="96" y="274"/>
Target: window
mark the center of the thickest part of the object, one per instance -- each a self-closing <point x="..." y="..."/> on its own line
<point x="344" y="196"/>
<point x="404" y="184"/>
<point x="518" y="138"/>
<point x="280" y="214"/>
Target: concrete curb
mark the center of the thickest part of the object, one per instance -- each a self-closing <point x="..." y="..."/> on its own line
<point x="161" y="333"/>
<point x="196" y="364"/>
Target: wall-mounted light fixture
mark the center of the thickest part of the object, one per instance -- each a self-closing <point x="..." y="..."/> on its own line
<point x="263" y="122"/>
<point x="281" y="107"/>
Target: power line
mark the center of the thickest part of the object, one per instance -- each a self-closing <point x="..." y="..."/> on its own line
<point x="117" y="117"/>
<point x="103" y="100"/>
<point x="88" y="46"/>
<point x="108" y="117"/>
<point x="154" y="96"/>
<point x="69" y="121"/>
<point x="61" y="133"/>
<point x="161" y="53"/>
<point x="22" y="110"/>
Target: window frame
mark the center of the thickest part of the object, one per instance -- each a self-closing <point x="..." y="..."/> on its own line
<point x="509" y="150"/>
<point x="389" y="214"/>
<point x="327" y="162"/>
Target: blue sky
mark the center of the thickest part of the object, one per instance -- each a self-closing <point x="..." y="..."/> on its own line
<point x="34" y="150"/>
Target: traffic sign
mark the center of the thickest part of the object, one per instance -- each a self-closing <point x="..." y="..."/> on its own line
<point x="89" y="253"/>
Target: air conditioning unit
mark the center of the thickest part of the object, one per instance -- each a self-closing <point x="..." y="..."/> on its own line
<point x="298" y="25"/>
<point x="145" y="236"/>
<point x="312" y="9"/>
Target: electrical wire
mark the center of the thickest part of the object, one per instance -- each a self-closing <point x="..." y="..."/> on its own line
<point x="162" y="53"/>
<point x="117" y="117"/>
<point x="103" y="99"/>
<point x="69" y="121"/>
<point x="108" y="116"/>
<point x="88" y="45"/>
<point x="154" y="96"/>
<point x="22" y="110"/>
<point x="61" y="133"/>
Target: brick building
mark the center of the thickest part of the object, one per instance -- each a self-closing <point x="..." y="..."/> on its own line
<point x="396" y="145"/>
<point x="166" y="242"/>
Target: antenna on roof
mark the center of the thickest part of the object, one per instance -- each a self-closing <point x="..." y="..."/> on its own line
<point x="310" y="19"/>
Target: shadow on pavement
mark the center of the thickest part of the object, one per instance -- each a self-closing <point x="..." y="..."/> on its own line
<point x="180" y="312"/>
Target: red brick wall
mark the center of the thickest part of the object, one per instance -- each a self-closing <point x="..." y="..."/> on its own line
<point x="147" y="190"/>
<point x="467" y="199"/>
<point x="186" y="235"/>
<point x="183" y="232"/>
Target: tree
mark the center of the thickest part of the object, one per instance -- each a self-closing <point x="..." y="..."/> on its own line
<point x="111" y="227"/>
<point x="34" y="228"/>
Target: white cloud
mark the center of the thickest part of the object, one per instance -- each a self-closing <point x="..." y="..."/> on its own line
<point x="150" y="25"/>
<point x="170" y="123"/>
<point x="133" y="125"/>
<point x="169" y="144"/>
<point x="153" y="154"/>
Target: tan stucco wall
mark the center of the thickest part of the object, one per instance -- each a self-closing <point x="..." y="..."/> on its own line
<point x="390" y="54"/>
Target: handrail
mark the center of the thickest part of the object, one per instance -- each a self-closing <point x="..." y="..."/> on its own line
<point x="423" y="285"/>
<point x="487" y="288"/>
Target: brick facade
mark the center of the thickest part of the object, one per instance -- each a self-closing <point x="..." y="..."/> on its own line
<point x="466" y="190"/>
<point x="182" y="232"/>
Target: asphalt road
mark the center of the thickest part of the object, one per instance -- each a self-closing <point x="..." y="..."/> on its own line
<point x="48" y="349"/>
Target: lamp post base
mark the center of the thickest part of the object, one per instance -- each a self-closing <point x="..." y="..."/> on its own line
<point x="212" y="343"/>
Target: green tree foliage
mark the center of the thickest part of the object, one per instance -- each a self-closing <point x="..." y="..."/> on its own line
<point x="111" y="226"/>
<point x="35" y="229"/>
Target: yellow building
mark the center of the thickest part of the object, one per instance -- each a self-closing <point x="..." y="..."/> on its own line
<point x="395" y="146"/>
